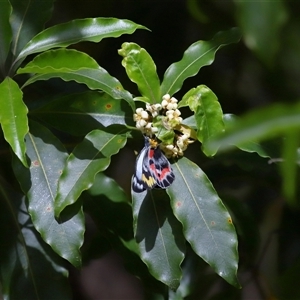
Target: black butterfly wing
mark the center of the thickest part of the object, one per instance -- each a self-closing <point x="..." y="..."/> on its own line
<point x="143" y="179"/>
<point x="160" y="168"/>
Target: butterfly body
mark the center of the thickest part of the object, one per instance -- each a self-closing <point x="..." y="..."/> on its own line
<point x="152" y="169"/>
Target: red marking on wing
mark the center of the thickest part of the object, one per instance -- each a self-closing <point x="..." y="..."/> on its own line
<point x="152" y="167"/>
<point x="151" y="153"/>
<point x="164" y="172"/>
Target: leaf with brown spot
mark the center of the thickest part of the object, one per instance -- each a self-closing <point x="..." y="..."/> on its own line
<point x="205" y="219"/>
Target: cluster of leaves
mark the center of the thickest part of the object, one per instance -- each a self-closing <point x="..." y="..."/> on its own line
<point x="50" y="224"/>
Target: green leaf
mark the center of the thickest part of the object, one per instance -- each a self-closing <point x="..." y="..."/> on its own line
<point x="208" y="114"/>
<point x="87" y="159"/>
<point x="207" y="225"/>
<point x="83" y="112"/>
<point x="111" y="211"/>
<point x="199" y="54"/>
<point x="262" y="34"/>
<point x="159" y="236"/>
<point x="258" y="125"/>
<point x="289" y="167"/>
<point x="5" y="33"/>
<point x="92" y="30"/>
<point x="29" y="269"/>
<point x="13" y="117"/>
<point x="111" y="208"/>
<point x="28" y="19"/>
<point x="74" y="65"/>
<point x="108" y="187"/>
<point x="250" y="146"/>
<point x="141" y="70"/>
<point x="47" y="156"/>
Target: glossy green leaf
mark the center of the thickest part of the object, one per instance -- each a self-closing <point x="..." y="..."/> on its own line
<point x="13" y="117"/>
<point x="47" y="156"/>
<point x="28" y="19"/>
<point x="199" y="54"/>
<point x="141" y="70"/>
<point x="5" y="33"/>
<point x="81" y="113"/>
<point x="29" y="269"/>
<point x="261" y="23"/>
<point x="208" y="114"/>
<point x="207" y="225"/>
<point x="74" y="65"/>
<point x="250" y="146"/>
<point x="159" y="236"/>
<point x="92" y="30"/>
<point x="258" y="125"/>
<point x="87" y="159"/>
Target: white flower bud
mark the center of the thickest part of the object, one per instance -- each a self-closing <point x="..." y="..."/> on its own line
<point x="166" y="97"/>
<point x="139" y="110"/>
<point x="144" y="115"/>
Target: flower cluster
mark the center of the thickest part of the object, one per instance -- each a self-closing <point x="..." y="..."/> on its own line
<point x="180" y="146"/>
<point x="170" y="118"/>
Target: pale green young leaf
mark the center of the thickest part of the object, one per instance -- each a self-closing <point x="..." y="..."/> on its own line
<point x="141" y="70"/>
<point x="13" y="117"/>
<point x="208" y="114"/>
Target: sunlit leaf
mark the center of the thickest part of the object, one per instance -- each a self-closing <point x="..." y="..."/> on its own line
<point x="69" y="65"/>
<point x="207" y="225"/>
<point x="75" y="31"/>
<point x="261" y="22"/>
<point x="5" y="33"/>
<point x="29" y="269"/>
<point x="141" y="70"/>
<point x="90" y="157"/>
<point x="81" y="113"/>
<point x="208" y="114"/>
<point x="159" y="236"/>
<point x="13" y="117"/>
<point x="199" y="54"/>
<point x="39" y="183"/>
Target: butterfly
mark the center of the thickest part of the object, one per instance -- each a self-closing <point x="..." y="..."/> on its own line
<point x="152" y="168"/>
